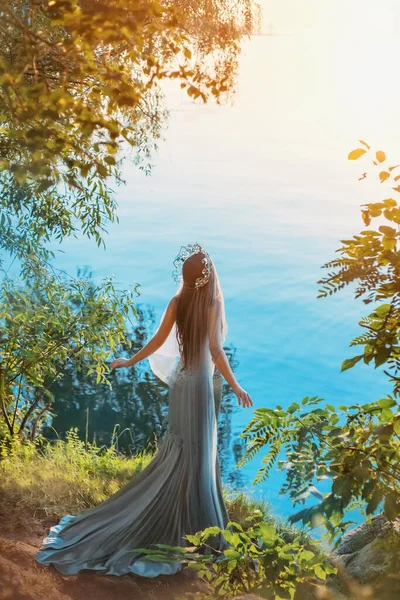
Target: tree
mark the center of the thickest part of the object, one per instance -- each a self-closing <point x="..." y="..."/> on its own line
<point x="47" y="322"/>
<point x="79" y="91"/>
<point x="80" y="85"/>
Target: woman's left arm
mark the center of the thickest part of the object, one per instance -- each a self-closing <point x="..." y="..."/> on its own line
<point x="156" y="341"/>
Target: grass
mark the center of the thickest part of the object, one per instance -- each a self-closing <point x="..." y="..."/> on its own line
<point x="67" y="477"/>
<point x="64" y="477"/>
<point x="241" y="506"/>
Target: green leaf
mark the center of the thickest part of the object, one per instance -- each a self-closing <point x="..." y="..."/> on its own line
<point x="350" y="362"/>
<point x="391" y="505"/>
<point x="268" y="531"/>
<point x="307" y="555"/>
<point x="387" y="402"/>
<point x="282" y="593"/>
<point x="336" y="517"/>
<point x="375" y="500"/>
<point x="319" y="572"/>
<point x="382" y="310"/>
<point x="194" y="539"/>
<point x="386" y="414"/>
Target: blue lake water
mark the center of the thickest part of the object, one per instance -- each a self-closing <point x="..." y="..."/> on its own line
<point x="263" y="183"/>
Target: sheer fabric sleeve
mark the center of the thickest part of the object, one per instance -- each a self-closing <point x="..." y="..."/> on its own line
<point x="215" y="330"/>
<point x="164" y="360"/>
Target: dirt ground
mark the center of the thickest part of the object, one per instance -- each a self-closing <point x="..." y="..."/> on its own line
<point x="22" y="578"/>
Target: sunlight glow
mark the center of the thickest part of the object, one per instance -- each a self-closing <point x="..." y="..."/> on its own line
<point x="316" y="18"/>
<point x="328" y="71"/>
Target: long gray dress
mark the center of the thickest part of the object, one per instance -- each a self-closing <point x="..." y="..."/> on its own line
<point x="178" y="493"/>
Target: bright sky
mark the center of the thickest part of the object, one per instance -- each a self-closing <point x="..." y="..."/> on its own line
<point x="333" y="66"/>
<point x="376" y="18"/>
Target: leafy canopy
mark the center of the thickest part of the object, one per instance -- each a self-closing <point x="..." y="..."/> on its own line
<point x="80" y="86"/>
<point x="371" y="261"/>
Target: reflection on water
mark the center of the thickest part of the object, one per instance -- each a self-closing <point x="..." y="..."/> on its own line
<point x="234" y="479"/>
<point x="133" y="413"/>
<point x="135" y="404"/>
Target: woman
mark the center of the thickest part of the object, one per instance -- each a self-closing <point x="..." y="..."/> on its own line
<point x="180" y="491"/>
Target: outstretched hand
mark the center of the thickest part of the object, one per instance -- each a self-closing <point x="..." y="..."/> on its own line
<point x="120" y="362"/>
<point x="243" y="397"/>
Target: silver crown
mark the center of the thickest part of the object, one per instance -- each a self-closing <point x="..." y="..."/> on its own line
<point x="184" y="253"/>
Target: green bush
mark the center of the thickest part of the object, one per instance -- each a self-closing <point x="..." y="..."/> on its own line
<point x="257" y="560"/>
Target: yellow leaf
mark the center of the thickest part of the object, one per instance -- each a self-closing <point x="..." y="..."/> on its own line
<point x="397" y="189"/>
<point x="383" y="175"/>
<point x="319" y="571"/>
<point x="380" y="156"/>
<point x="390" y="202"/>
<point x="354" y="154"/>
<point x="389" y="243"/>
<point x="366" y="217"/>
<point x="388" y="231"/>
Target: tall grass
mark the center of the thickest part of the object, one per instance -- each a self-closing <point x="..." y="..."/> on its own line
<point x="64" y="477"/>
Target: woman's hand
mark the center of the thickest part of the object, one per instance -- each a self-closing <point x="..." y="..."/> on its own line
<point x="120" y="362"/>
<point x="242" y="396"/>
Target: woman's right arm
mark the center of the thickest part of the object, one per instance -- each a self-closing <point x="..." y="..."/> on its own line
<point x="156" y="341"/>
<point x="219" y="357"/>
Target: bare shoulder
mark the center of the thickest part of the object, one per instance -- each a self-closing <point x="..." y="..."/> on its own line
<point x="169" y="313"/>
<point x="172" y="305"/>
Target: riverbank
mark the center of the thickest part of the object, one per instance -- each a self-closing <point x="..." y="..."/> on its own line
<point x="38" y="487"/>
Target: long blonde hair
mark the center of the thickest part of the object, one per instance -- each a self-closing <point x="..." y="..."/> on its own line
<point x="193" y="310"/>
